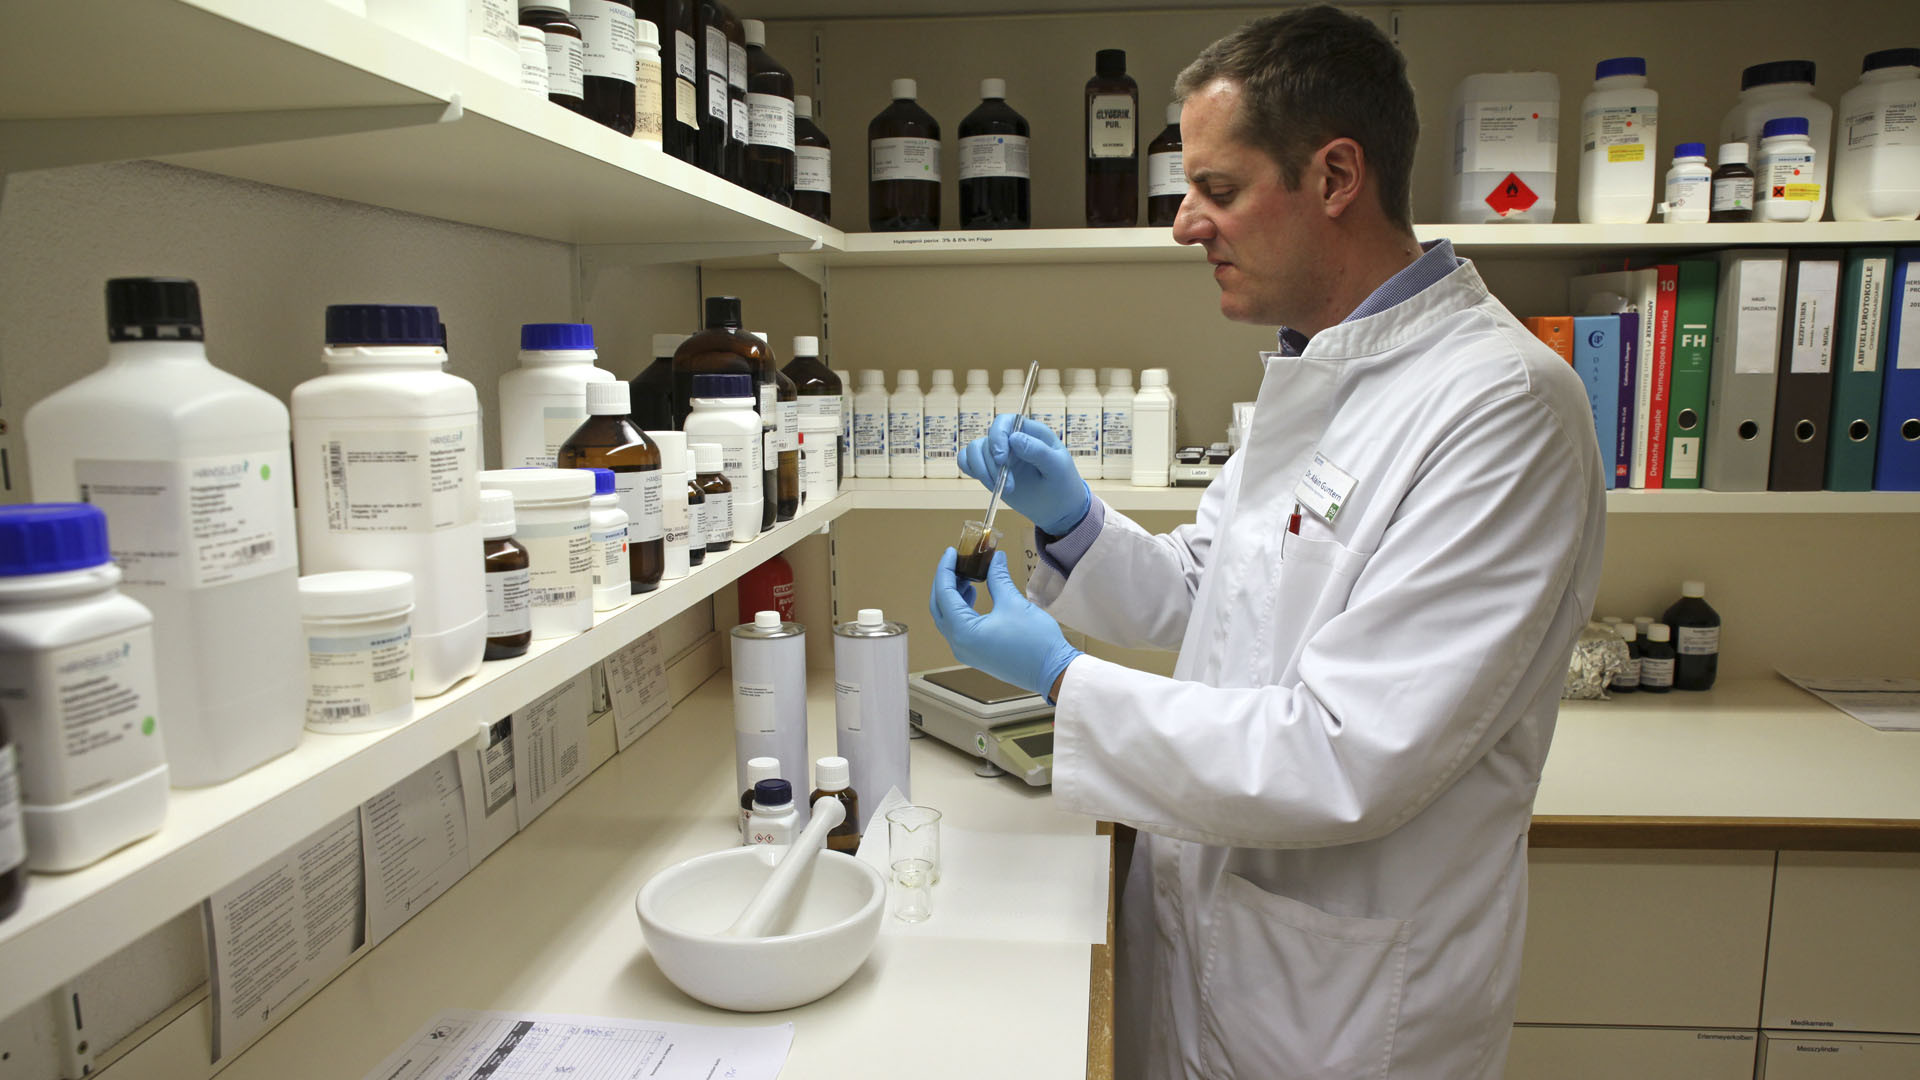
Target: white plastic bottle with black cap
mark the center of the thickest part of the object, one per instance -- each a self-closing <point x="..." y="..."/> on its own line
<point x="870" y="457"/>
<point x="1049" y="404"/>
<point x="758" y="769"/>
<point x="676" y="523"/>
<point x="723" y="415"/>
<point x="1876" y="159"/>
<point x="190" y="465"/>
<point x="906" y="418"/>
<point x="1775" y="89"/>
<point x="1013" y="384"/>
<point x="1152" y="430"/>
<point x="770" y="693"/>
<point x="544" y="399"/>
<point x="940" y="427"/>
<point x="387" y="457"/>
<point x="776" y="818"/>
<point x="1085" y="414"/>
<point x="1116" y="426"/>
<point x="870" y="705"/>
<point x="976" y="407"/>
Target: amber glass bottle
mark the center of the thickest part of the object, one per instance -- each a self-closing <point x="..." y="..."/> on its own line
<point x="995" y="189"/>
<point x="716" y="522"/>
<point x="508" y="566"/>
<point x="566" y="52"/>
<point x="653" y="387"/>
<point x="1166" y="175"/>
<point x="812" y="163"/>
<point x="1113" y="129"/>
<point x="769" y="170"/>
<point x="679" y="75"/>
<point x="786" y="441"/>
<point x="819" y="389"/>
<point x="724" y="349"/>
<point x="736" y="167"/>
<point x="716" y="112"/>
<point x="696" y="511"/>
<point x="903" y="165"/>
<point x="607" y="439"/>
<point x="607" y="33"/>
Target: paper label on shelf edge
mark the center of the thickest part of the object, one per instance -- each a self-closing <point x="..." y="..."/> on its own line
<point x="1111" y="126"/>
<point x="846" y="705"/>
<point x="753" y="708"/>
<point x="987" y="156"/>
<point x="1166" y="175"/>
<point x="197" y="522"/>
<point x="813" y="169"/>
<point x="1813" y="317"/>
<point x="904" y="159"/>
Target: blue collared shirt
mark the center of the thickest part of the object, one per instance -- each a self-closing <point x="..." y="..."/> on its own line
<point x="1436" y="262"/>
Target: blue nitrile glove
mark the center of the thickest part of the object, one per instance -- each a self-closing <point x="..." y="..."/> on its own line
<point x="1043" y="484"/>
<point x="1016" y="642"/>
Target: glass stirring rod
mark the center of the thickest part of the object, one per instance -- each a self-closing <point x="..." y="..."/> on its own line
<point x="977" y="538"/>
<point x="1026" y="399"/>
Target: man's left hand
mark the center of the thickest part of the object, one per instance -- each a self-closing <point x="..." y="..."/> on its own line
<point x="1016" y="642"/>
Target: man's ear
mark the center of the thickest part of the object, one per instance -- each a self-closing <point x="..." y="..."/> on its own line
<point x="1340" y="168"/>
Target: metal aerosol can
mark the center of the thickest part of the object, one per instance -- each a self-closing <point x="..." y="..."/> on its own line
<point x="770" y="698"/>
<point x="870" y="705"/>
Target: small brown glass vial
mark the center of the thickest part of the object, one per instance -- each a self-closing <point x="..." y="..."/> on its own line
<point x="831" y="774"/>
<point x="566" y="53"/>
<point x="1113" y="128"/>
<point x="716" y="518"/>
<point x="509" y="580"/>
<point x="696" y="519"/>
<point x="607" y="439"/>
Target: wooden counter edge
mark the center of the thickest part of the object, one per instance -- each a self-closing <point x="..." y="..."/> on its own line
<point x="1100" y="983"/>
<point x="1727" y="834"/>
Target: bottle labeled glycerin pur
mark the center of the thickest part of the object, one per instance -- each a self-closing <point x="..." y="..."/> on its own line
<point x="509" y="580"/>
<point x="995" y="179"/>
<point x="1113" y="130"/>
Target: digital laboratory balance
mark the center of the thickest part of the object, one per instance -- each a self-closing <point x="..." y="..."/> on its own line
<point x="1009" y="729"/>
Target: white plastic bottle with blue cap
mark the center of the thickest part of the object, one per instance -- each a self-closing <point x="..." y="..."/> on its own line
<point x="544" y="399"/>
<point x="387" y="453"/>
<point x="612" y="581"/>
<point x="723" y="415"/>
<point x="1785" y="184"/>
<point x="1689" y="198"/>
<point x="190" y="465"/>
<point x="1619" y="132"/>
<point x="1769" y="91"/>
<point x="77" y="670"/>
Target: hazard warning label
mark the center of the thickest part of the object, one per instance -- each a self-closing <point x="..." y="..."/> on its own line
<point x="1511" y="196"/>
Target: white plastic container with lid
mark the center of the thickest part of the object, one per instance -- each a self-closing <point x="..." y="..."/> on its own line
<point x="359" y="649"/>
<point x="870" y="426"/>
<point x="819" y="459"/>
<point x="1768" y="92"/>
<point x="533" y="60"/>
<point x="1876" y="155"/>
<point x="758" y="769"/>
<point x="870" y="706"/>
<point x="1013" y="385"/>
<point x="723" y="414"/>
<point x="1689" y="196"/>
<point x="554" y="522"/>
<point x="1506" y="146"/>
<point x="612" y="576"/>
<point x="190" y="465"/>
<point x="941" y="427"/>
<point x="775" y="818"/>
<point x="716" y="513"/>
<point x="1619" y="131"/>
<point x="976" y="407"/>
<point x="493" y="38"/>
<point x="387" y="458"/>
<point x="1152" y="430"/>
<point x="676" y="526"/>
<point x="544" y="399"/>
<point x="1116" y="426"/>
<point x="649" y="117"/>
<point x="1783" y="180"/>
<point x="77" y="671"/>
<point x="1086" y="413"/>
<point x="906" y="416"/>
<point x="1049" y="404"/>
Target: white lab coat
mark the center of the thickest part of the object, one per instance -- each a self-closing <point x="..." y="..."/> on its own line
<point x="1334" y="789"/>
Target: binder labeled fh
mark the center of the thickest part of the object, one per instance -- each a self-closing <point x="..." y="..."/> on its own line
<point x="1746" y="351"/>
<point x="1804" y="398"/>
<point x="1853" y="431"/>
<point x="1897" y="467"/>
<point x="1691" y="373"/>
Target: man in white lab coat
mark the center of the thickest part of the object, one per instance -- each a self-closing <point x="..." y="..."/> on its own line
<point x="1374" y="609"/>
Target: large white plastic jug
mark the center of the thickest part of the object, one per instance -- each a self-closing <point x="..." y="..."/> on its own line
<point x="1506" y="145"/>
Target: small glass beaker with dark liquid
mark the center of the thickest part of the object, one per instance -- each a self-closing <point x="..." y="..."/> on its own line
<point x="975" y="551"/>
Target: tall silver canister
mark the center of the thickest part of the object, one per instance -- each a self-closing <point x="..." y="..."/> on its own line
<point x="870" y="706"/>
<point x="770" y="699"/>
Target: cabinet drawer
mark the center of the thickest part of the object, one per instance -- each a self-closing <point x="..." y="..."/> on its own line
<point x="1547" y="1052"/>
<point x="1846" y="935"/>
<point x="1788" y="1056"/>
<point x="1646" y="938"/>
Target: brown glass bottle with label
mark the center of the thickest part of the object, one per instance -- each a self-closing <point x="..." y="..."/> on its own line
<point x="903" y="165"/>
<point x="812" y="163"/>
<point x="736" y="158"/>
<point x="716" y="112"/>
<point x="679" y="75"/>
<point x="787" y="482"/>
<point x="566" y="57"/>
<point x="653" y="387"/>
<point x="716" y="523"/>
<point x="504" y="556"/>
<point x="769" y="167"/>
<point x="607" y="439"/>
<point x="996" y="191"/>
<point x="696" y="508"/>
<point x="818" y="387"/>
<point x="1166" y="176"/>
<point x="725" y="349"/>
<point x="1113" y="128"/>
<point x="608" y="37"/>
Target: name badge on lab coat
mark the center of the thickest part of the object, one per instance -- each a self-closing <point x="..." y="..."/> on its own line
<point x="1323" y="489"/>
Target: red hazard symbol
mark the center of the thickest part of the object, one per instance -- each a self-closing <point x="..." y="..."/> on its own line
<point x="1510" y="195"/>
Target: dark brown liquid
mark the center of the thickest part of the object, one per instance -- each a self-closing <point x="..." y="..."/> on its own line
<point x="1163" y="209"/>
<point x="903" y="205"/>
<point x="1733" y="171"/>
<point x="973" y="565"/>
<point x="812" y="378"/>
<point x="696" y="500"/>
<point x="715" y="112"/>
<point x="1113" y="183"/>
<point x="652" y="392"/>
<point x="714" y="483"/>
<point x="553" y="22"/>
<point x="736" y="159"/>
<point x="995" y="202"/>
<point x="612" y="442"/>
<point x="769" y="169"/>
<point x="609" y="101"/>
<point x="817" y="205"/>
<point x="787" y="482"/>
<point x="504" y="556"/>
<point x="675" y="18"/>
<point x="717" y="350"/>
<point x="846" y="835"/>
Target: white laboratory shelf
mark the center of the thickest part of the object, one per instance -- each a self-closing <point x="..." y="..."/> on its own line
<point x="966" y="495"/>
<point x="215" y="835"/>
<point x="311" y="97"/>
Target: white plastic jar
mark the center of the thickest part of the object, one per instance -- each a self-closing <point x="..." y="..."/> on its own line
<point x="940" y="427"/>
<point x="77" y="674"/>
<point x="545" y="398"/>
<point x="1506" y="147"/>
<point x="1876" y="156"/>
<point x="359" y="629"/>
<point x="676" y="523"/>
<point x="1619" y="130"/>
<point x="1086" y="413"/>
<point x="976" y="407"/>
<point x="612" y="577"/>
<point x="1152" y="430"/>
<point x="1784" y="183"/>
<point x="648" y="118"/>
<point x="1116" y="426"/>
<point x="906" y="422"/>
<point x="870" y="426"/>
<point x="1770" y="91"/>
<point x="553" y="520"/>
<point x="1689" y="186"/>
<point x="387" y="458"/>
<point x="723" y="415"/>
<point x="1049" y="404"/>
<point x="533" y="60"/>
<point x="819" y="459"/>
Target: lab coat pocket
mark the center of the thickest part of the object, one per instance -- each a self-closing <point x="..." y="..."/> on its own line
<point x="1290" y="991"/>
<point x="1314" y="584"/>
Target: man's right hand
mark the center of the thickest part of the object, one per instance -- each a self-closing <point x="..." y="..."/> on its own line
<point x="1041" y="480"/>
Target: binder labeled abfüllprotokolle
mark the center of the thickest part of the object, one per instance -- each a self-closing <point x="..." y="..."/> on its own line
<point x="1898" y="464"/>
<point x="1746" y="352"/>
<point x="1853" y="430"/>
<point x="1804" y="398"/>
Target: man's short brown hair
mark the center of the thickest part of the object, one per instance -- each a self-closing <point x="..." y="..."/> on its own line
<point x="1313" y="75"/>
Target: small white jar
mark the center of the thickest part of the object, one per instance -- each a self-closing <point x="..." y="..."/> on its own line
<point x="359" y="630"/>
<point x="612" y="575"/>
<point x="77" y="671"/>
<point x="533" y="61"/>
<point x="554" y="522"/>
<point x="819" y="459"/>
<point x="676" y="524"/>
<point x="1689" y="186"/>
<point x="1786" y="187"/>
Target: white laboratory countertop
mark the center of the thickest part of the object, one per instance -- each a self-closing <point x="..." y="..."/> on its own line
<point x="547" y="924"/>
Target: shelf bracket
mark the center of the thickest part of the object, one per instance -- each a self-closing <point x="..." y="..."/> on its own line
<point x="591" y="259"/>
<point x="26" y="145"/>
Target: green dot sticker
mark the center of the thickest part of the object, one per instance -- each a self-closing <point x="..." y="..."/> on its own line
<point x="147" y="726"/>
<point x="266" y="472"/>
